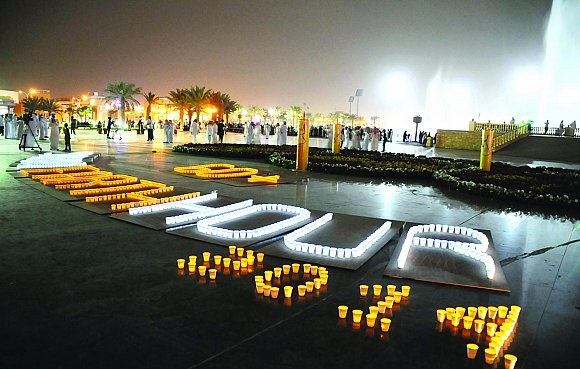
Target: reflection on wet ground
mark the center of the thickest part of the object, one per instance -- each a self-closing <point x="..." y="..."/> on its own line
<point x="97" y="292"/>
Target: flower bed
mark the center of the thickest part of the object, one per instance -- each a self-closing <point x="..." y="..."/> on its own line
<point x="547" y="186"/>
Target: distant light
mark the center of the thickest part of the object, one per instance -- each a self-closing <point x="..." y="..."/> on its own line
<point x="32" y="91"/>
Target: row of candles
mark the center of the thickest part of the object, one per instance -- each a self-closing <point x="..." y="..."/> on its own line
<point x="58" y="170"/>
<point x="49" y="160"/>
<point x="393" y="297"/>
<point x="499" y="334"/>
<point x="245" y="259"/>
<point x="225" y="171"/>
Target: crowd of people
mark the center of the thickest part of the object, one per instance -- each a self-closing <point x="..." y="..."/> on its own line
<point x="31" y="128"/>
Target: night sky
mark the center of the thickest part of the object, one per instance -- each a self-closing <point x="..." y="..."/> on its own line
<point x="290" y="52"/>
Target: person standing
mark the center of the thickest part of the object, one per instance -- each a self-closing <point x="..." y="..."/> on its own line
<point x="221" y="131"/>
<point x="149" y="125"/>
<point x="67" y="138"/>
<point x="267" y="128"/>
<point x="54" y="133"/>
<point x="546" y="127"/>
<point x="249" y="132"/>
<point x="109" y="124"/>
<point x="283" y="133"/>
<point x="73" y="126"/>
<point x="171" y="131"/>
<point x="194" y="130"/>
<point x="166" y="128"/>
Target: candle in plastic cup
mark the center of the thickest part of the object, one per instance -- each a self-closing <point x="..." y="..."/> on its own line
<point x="356" y="315"/>
<point x="268" y="275"/>
<point x="342" y="311"/>
<point x="249" y="253"/>
<point x="389" y="300"/>
<point x="317" y="283"/>
<point x="295" y="267"/>
<point x="441" y="315"/>
<point x="455" y="320"/>
<point x="236" y="264"/>
<point x="180" y="263"/>
<point x="206" y="256"/>
<point x="324" y="280"/>
<point x="482" y="312"/>
<point x="244" y="262"/>
<point x="259" y="278"/>
<point x="492" y="312"/>
<point x="306" y="268"/>
<point x="274" y="292"/>
<point x="377" y="289"/>
<point x="201" y="269"/>
<point x="240" y="251"/>
<point x="478" y="325"/>
<point x="191" y="267"/>
<point x="449" y="313"/>
<point x="490" y="355"/>
<point x="212" y="273"/>
<point x="277" y="272"/>
<point x="397" y="296"/>
<point x="373" y="310"/>
<point x="193" y="259"/>
<point x="309" y="286"/>
<point x="314" y="270"/>
<point x="499" y="337"/>
<point x="321" y="269"/>
<point x="251" y="260"/>
<point x="288" y="291"/>
<point x="491" y="327"/>
<point x="286" y="269"/>
<point x="232" y="249"/>
<point x="267" y="290"/>
<point x="385" y="324"/>
<point x="382" y="306"/>
<point x="496" y="346"/>
<point x="467" y="322"/>
<point x="391" y="288"/>
<point x="217" y="259"/>
<point x="502" y="311"/>
<point x="515" y="309"/>
<point x="405" y="290"/>
<point x="509" y="361"/>
<point x="472" y="311"/>
<point x="371" y="319"/>
<point x="260" y="257"/>
<point x="460" y="310"/>
<point x="301" y="290"/>
<point x="472" y="350"/>
<point x="364" y="289"/>
<point x="260" y="287"/>
<point x="226" y="262"/>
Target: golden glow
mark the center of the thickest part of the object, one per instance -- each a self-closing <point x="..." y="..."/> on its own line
<point x="32" y="91"/>
<point x="217" y="171"/>
<point x="264" y="179"/>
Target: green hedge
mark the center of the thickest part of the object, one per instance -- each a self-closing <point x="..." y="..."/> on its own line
<point x="547" y="186"/>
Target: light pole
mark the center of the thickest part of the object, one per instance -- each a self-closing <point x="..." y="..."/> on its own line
<point x="350" y="100"/>
<point x="358" y="94"/>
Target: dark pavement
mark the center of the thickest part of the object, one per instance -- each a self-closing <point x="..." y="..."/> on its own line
<point x="81" y="290"/>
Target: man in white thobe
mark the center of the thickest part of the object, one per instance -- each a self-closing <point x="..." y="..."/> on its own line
<point x="54" y="133"/>
<point x="194" y="130"/>
<point x="283" y="133"/>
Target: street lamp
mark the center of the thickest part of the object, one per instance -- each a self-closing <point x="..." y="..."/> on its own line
<point x="358" y="94"/>
<point x="350" y="100"/>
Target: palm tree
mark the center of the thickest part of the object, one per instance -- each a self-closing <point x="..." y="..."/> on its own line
<point x="230" y="107"/>
<point x="32" y="103"/>
<point x="122" y="93"/>
<point x="151" y="99"/>
<point x="198" y="97"/>
<point x="294" y="111"/>
<point x="374" y="118"/>
<point x="179" y="100"/>
<point x="50" y="106"/>
<point x="71" y="111"/>
<point x="219" y="100"/>
<point x="83" y="111"/>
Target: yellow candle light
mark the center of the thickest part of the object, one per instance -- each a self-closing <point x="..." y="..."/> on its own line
<point x="491" y="327"/>
<point x="295" y="268"/>
<point x="288" y="291"/>
<point x="382" y="305"/>
<point x="472" y="311"/>
<point x="317" y="283"/>
<point x="472" y="350"/>
<point x="249" y="253"/>
<point x="510" y="361"/>
<point x="478" y="325"/>
<point x="201" y="269"/>
<point x="286" y="269"/>
<point x="240" y="251"/>
<point x="357" y="315"/>
<point x="193" y="259"/>
<point x="277" y="272"/>
<point x="441" y="315"/>
<point x="217" y="259"/>
<point x="490" y="355"/>
<point x="373" y="310"/>
<point x="267" y="290"/>
<point x="236" y="264"/>
<point x="455" y="320"/>
<point x="274" y="292"/>
<point x="342" y="311"/>
<point x="405" y="290"/>
<point x="391" y="288"/>
<point x="301" y="290"/>
<point x="306" y="268"/>
<point x="206" y="256"/>
<point x="371" y="319"/>
<point x="377" y="289"/>
<point x="385" y="324"/>
<point x="390" y="300"/>
<point x="212" y="273"/>
<point x="260" y="257"/>
<point x="232" y="249"/>
<point x="309" y="286"/>
<point x="460" y="310"/>
<point x="180" y="263"/>
<point x="314" y="270"/>
<point x="268" y="275"/>
<point x="467" y="322"/>
<point x="492" y="312"/>
<point x="364" y="289"/>
<point x="260" y="288"/>
<point x="502" y="311"/>
<point x="244" y="262"/>
<point x="482" y="312"/>
<point x="226" y="262"/>
<point x="191" y="267"/>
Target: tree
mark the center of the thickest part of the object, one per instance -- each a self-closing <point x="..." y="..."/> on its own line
<point x="83" y="111"/>
<point x="219" y="100"/>
<point x="32" y="103"/>
<point x="198" y="98"/>
<point x="230" y="107"/>
<point x="151" y="99"/>
<point x="374" y="118"/>
<point x="122" y="94"/>
<point x="179" y="100"/>
<point x="294" y="111"/>
<point x="50" y="106"/>
<point x="71" y="111"/>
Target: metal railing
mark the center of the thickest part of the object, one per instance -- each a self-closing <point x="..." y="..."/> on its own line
<point x="554" y="131"/>
<point x="504" y="138"/>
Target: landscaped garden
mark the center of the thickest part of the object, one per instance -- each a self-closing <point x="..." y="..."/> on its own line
<point x="539" y="186"/>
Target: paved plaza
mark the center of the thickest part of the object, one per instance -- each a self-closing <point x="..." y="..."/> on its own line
<point x="82" y="290"/>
